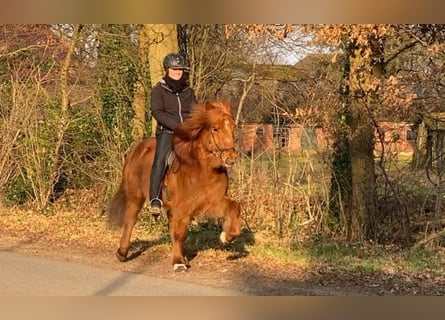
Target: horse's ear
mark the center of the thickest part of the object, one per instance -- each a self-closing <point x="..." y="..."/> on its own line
<point x="209" y="105"/>
<point x="227" y="107"/>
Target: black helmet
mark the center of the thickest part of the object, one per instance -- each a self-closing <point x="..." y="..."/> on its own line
<point x="174" y="60"/>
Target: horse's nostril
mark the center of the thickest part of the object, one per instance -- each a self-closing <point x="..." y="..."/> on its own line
<point x="229" y="162"/>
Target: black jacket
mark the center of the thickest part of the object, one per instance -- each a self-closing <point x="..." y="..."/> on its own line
<point x="168" y="108"/>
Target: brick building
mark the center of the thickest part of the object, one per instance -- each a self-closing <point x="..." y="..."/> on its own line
<point x="257" y="137"/>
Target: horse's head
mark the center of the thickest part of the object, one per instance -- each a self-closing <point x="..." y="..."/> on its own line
<point x="212" y="127"/>
<point x="220" y="135"/>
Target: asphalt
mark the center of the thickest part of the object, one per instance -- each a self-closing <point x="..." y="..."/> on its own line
<point x="22" y="275"/>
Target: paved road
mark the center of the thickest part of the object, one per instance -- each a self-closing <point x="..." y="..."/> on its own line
<point x="33" y="276"/>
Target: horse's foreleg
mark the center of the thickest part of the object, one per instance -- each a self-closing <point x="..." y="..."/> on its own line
<point x="178" y="233"/>
<point x="232" y="221"/>
<point x="131" y="214"/>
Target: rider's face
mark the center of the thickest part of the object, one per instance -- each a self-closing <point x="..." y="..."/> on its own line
<point x="175" y="74"/>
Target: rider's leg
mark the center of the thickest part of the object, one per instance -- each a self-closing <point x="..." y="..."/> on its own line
<point x="163" y="147"/>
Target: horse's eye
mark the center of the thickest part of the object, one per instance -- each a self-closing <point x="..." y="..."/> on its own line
<point x="215" y="129"/>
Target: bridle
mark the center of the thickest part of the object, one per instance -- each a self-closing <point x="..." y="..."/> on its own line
<point x="218" y="152"/>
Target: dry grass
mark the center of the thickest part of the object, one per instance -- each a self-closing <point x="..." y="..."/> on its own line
<point x="65" y="227"/>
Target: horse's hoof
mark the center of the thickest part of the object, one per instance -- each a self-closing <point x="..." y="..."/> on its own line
<point x="223" y="238"/>
<point x="180" y="267"/>
<point x="121" y="257"/>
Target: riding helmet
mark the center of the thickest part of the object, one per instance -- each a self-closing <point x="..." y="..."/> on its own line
<point x="174" y="60"/>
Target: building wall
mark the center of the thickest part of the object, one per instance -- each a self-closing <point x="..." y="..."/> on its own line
<point x="256" y="138"/>
<point x="259" y="137"/>
<point x="395" y="137"/>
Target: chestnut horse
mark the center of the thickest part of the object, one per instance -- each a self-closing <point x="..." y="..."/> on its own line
<point x="195" y="183"/>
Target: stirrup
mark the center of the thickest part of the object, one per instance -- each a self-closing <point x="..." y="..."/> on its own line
<point x="155" y="210"/>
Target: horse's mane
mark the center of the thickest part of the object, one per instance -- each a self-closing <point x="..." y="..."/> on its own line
<point x="202" y="116"/>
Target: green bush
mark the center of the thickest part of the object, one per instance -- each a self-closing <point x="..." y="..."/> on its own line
<point x="18" y="191"/>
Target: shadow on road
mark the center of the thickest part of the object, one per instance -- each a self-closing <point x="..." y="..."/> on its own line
<point x="112" y="286"/>
<point x="205" y="236"/>
<point x="200" y="237"/>
<point x="138" y="247"/>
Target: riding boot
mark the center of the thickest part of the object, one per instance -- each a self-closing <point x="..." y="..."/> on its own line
<point x="157" y="174"/>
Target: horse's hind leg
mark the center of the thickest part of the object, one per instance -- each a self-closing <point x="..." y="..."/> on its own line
<point x="131" y="214"/>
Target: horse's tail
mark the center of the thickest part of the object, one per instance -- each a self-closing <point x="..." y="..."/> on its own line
<point x="116" y="211"/>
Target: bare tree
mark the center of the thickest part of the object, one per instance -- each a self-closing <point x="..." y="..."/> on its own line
<point x="139" y="103"/>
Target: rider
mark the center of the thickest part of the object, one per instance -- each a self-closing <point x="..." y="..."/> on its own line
<point x="172" y="99"/>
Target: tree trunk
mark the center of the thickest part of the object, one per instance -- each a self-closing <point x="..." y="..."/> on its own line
<point x="163" y="39"/>
<point x="139" y="103"/>
<point x="340" y="193"/>
<point x="421" y="152"/>
<point x="363" y="180"/>
<point x="353" y="182"/>
<point x="364" y="77"/>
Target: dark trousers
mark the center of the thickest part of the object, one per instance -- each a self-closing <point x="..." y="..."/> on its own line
<point x="163" y="147"/>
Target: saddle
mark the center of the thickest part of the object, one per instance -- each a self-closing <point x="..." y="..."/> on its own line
<point x="169" y="165"/>
<point x="171" y="156"/>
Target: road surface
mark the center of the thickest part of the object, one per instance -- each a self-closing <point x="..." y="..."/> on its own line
<point x="34" y="276"/>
